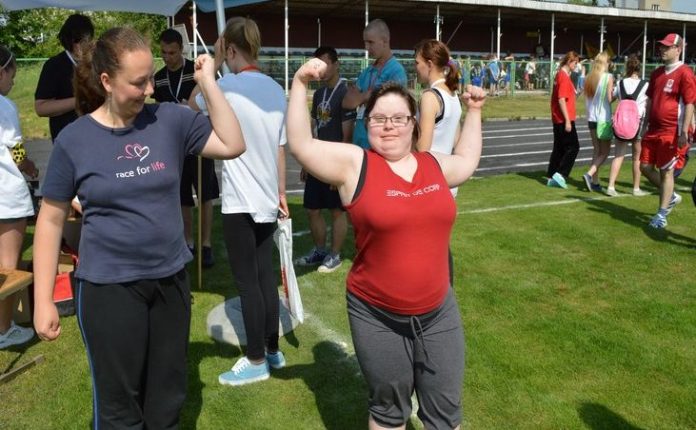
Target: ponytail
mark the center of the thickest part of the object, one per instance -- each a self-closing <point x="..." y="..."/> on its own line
<point x="452" y="75"/>
<point x="87" y="87"/>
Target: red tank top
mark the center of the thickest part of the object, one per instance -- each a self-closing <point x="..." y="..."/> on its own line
<point x="402" y="231"/>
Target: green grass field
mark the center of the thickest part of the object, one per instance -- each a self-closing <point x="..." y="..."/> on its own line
<point x="576" y="316"/>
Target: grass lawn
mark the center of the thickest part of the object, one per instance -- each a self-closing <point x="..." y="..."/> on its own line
<point x="576" y="316"/>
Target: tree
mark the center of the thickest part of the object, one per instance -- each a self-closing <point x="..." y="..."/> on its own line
<point x="34" y="32"/>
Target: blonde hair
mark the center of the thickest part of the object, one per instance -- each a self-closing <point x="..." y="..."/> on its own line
<point x="599" y="66"/>
<point x="244" y="34"/>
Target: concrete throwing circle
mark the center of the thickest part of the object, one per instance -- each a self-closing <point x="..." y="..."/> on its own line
<point x="225" y="322"/>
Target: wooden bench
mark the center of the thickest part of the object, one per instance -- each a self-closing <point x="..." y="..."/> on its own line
<point x="12" y="281"/>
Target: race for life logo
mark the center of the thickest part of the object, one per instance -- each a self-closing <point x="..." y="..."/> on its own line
<point x="134" y="150"/>
<point x="668" y="86"/>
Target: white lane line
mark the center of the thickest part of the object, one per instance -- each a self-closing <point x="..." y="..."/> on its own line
<point x="512" y="166"/>
<point x="502" y="130"/>
<point x="520" y="154"/>
<point x="509" y="136"/>
<point x="343" y="344"/>
<point x="518" y="144"/>
<point x="548" y="129"/>
<point x="541" y="204"/>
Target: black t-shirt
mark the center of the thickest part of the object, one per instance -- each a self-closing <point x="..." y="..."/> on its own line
<point x="56" y="82"/>
<point x="167" y="87"/>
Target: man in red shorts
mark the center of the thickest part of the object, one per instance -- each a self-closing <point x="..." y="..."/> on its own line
<point x="671" y="95"/>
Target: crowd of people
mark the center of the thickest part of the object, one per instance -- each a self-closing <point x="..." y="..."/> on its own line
<point x="370" y="153"/>
<point x="663" y="116"/>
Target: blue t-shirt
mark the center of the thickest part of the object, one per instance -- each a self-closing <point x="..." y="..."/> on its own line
<point x="127" y="181"/>
<point x="370" y="79"/>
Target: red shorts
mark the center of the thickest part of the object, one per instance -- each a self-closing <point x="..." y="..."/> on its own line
<point x="682" y="156"/>
<point x="662" y="151"/>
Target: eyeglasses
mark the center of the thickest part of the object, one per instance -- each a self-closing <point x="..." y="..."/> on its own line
<point x="396" y="120"/>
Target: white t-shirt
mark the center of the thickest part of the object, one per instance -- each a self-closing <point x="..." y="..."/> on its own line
<point x="598" y="108"/>
<point x="630" y="85"/>
<point x="250" y="181"/>
<point x="445" y="132"/>
<point x="15" y="200"/>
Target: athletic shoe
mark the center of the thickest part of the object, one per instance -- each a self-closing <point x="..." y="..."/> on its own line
<point x="560" y="180"/>
<point x="597" y="188"/>
<point x="588" y="181"/>
<point x="244" y="372"/>
<point x="208" y="258"/>
<point x="640" y="193"/>
<point x="675" y="200"/>
<point x="552" y="184"/>
<point x="15" y="335"/>
<point x="659" y="221"/>
<point x="315" y="256"/>
<point x="276" y="359"/>
<point x="611" y="192"/>
<point x="331" y="262"/>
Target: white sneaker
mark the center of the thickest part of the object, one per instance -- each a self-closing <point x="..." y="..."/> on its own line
<point x="675" y="200"/>
<point x="15" y="335"/>
<point x="640" y="193"/>
<point x="611" y="192"/>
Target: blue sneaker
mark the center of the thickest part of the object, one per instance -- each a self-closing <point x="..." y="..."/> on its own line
<point x="331" y="262"/>
<point x="276" y="359"/>
<point x="588" y="181"/>
<point x="659" y="221"/>
<point x="315" y="256"/>
<point x="597" y="188"/>
<point x="560" y="180"/>
<point x="675" y="200"/>
<point x="15" y="335"/>
<point x="244" y="372"/>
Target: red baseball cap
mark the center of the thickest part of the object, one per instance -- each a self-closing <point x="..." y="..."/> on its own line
<point x="672" y="39"/>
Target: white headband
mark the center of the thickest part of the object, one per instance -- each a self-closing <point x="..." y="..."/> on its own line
<point x="7" y="62"/>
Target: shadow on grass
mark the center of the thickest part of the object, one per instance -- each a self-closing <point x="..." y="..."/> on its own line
<point x="640" y="220"/>
<point x="599" y="417"/>
<point x="334" y="378"/>
<point x="194" y="393"/>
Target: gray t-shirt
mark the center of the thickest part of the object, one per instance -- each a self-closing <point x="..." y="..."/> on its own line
<point x="127" y="181"/>
<point x="328" y="113"/>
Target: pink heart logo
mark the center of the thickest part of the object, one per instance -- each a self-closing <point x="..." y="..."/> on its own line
<point x="136" y="150"/>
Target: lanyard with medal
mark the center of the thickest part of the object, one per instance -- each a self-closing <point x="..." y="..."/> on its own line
<point x="324" y="107"/>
